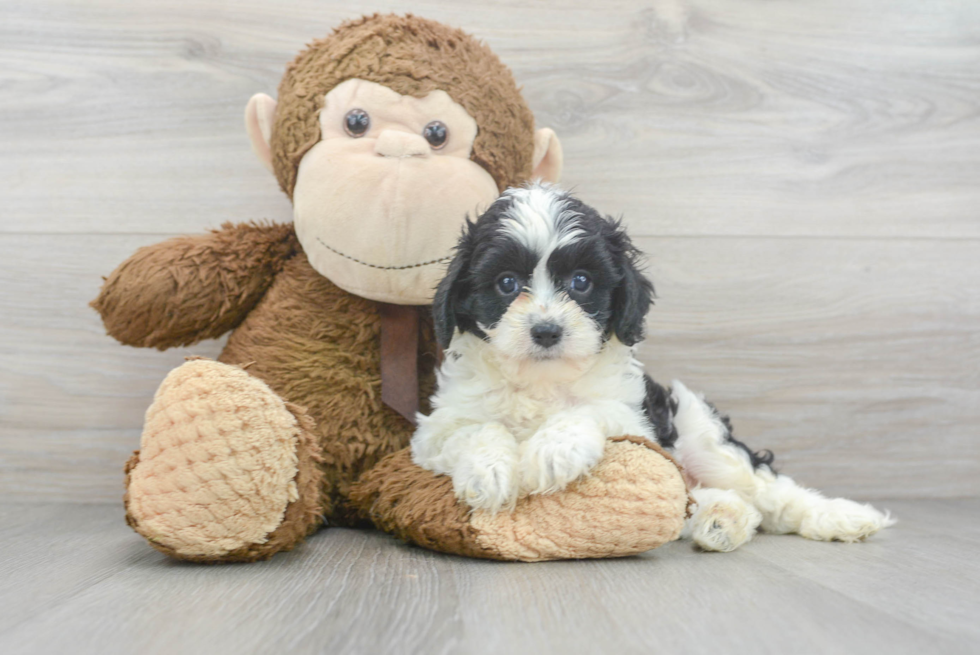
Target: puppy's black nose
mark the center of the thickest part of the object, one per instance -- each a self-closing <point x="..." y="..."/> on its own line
<point x="546" y="334"/>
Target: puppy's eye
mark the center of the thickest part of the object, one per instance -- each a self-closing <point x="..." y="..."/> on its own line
<point x="357" y="122"/>
<point x="507" y="284"/>
<point x="436" y="133"/>
<point x="580" y="283"/>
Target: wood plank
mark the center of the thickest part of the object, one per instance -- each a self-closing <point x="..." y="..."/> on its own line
<point x="858" y="362"/>
<point x="939" y="517"/>
<point x="50" y="553"/>
<point x="326" y="593"/>
<point x="349" y="591"/>
<point x="78" y="465"/>
<point x="844" y="357"/>
<point x="938" y="589"/>
<point x="677" y="600"/>
<point x="824" y="118"/>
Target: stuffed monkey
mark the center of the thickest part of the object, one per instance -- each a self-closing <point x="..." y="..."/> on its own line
<point x="385" y="136"/>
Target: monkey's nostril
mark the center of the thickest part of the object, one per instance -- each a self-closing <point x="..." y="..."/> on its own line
<point x="546" y="334"/>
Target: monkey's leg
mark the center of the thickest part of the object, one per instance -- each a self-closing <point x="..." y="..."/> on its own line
<point x="227" y="470"/>
<point x="634" y="499"/>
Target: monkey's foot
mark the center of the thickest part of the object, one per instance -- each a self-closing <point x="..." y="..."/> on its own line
<point x="634" y="499"/>
<point x="227" y="471"/>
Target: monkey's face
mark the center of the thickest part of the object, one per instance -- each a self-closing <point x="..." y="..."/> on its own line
<point x="380" y="200"/>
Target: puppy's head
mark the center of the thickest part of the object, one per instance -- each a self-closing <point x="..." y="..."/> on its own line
<point x="542" y="276"/>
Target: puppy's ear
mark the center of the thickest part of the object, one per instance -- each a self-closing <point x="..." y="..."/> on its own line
<point x="452" y="288"/>
<point x="634" y="295"/>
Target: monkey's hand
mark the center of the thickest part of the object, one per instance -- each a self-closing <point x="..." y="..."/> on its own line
<point x="186" y="289"/>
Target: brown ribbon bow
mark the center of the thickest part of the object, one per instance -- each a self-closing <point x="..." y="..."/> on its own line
<point x="399" y="359"/>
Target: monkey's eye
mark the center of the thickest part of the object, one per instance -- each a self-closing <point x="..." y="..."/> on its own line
<point x="356" y="122"/>
<point x="507" y="284"/>
<point x="580" y="283"/>
<point x="436" y="133"/>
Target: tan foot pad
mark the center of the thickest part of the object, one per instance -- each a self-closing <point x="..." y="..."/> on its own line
<point x="217" y="466"/>
<point x="633" y="501"/>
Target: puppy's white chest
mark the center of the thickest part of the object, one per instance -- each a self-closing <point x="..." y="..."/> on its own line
<point x="479" y="387"/>
<point x="524" y="411"/>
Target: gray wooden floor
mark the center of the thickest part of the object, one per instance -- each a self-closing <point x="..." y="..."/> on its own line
<point x="76" y="580"/>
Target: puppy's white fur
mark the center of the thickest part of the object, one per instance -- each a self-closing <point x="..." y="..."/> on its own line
<point x="501" y="425"/>
<point x="734" y="499"/>
<point x="511" y="417"/>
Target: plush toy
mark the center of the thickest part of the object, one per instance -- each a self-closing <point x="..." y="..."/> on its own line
<point x="385" y="136"/>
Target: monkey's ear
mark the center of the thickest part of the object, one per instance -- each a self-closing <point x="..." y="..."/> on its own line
<point x="259" y="116"/>
<point x="547" y="162"/>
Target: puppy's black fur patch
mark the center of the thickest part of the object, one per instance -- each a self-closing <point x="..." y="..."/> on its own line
<point x="660" y="409"/>
<point x="758" y="458"/>
<point x="618" y="301"/>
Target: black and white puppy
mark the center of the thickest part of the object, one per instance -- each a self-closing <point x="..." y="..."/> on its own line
<point x="539" y="313"/>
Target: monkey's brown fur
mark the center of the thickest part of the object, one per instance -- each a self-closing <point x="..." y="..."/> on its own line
<point x="413" y="57"/>
<point x="193" y="288"/>
<point x="630" y="509"/>
<point x="314" y="345"/>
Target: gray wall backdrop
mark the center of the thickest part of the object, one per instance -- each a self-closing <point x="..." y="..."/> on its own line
<point x="805" y="176"/>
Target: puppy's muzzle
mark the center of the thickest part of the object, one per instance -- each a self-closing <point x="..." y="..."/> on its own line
<point x="546" y="335"/>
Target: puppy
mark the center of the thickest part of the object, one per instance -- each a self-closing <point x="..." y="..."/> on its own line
<point x="539" y="314"/>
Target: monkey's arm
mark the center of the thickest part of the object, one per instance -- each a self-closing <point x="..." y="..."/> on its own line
<point x="186" y="289"/>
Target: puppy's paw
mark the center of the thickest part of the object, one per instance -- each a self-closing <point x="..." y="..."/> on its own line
<point x="558" y="454"/>
<point x="485" y="476"/>
<point x="486" y="481"/>
<point x="722" y="521"/>
<point x="839" y="519"/>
